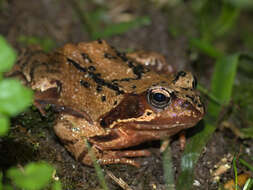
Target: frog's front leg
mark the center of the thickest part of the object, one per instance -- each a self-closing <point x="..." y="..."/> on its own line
<point x="73" y="132"/>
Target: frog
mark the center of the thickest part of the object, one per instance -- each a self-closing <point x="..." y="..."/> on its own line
<point x="107" y="101"/>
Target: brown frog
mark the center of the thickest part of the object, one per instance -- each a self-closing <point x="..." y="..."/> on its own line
<point x="109" y="99"/>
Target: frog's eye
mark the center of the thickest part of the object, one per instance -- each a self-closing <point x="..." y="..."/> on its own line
<point x="159" y="98"/>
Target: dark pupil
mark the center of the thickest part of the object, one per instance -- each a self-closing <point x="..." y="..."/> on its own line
<point x="159" y="97"/>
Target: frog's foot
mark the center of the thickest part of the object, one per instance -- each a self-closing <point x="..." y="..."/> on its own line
<point x="122" y="157"/>
<point x="105" y="157"/>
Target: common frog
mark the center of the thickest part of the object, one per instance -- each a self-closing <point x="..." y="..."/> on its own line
<point x="109" y="99"/>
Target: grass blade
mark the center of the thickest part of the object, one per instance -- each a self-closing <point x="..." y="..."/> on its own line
<point x="97" y="167"/>
<point x="168" y="169"/>
<point x="222" y="82"/>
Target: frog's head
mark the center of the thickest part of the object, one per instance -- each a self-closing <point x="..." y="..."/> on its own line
<point x="163" y="106"/>
<point x="176" y="105"/>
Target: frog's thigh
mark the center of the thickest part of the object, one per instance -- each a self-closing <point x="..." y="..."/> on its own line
<point x="66" y="130"/>
<point x="75" y="144"/>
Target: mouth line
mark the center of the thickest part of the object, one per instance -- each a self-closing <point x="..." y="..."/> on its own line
<point x="163" y="127"/>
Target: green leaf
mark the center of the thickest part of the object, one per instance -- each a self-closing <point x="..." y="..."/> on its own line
<point x="35" y="176"/>
<point x="205" y="47"/>
<point x="7" y="55"/>
<point x="227" y="19"/>
<point x="246" y="164"/>
<point x="222" y="81"/>
<point x="4" y="125"/>
<point x="249" y="184"/>
<point x="168" y="168"/>
<point x="14" y="98"/>
<point x="235" y="172"/>
<point x="7" y="187"/>
<point x="56" y="185"/>
<point x="97" y="167"/>
<point x="192" y="152"/>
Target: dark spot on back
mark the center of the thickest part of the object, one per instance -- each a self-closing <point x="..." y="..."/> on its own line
<point x="125" y="79"/>
<point x="139" y="70"/>
<point x="133" y="87"/>
<point x="85" y="83"/>
<point x="109" y="56"/>
<point x="76" y="65"/>
<point x="103" y="98"/>
<point x="130" y="64"/>
<point x="122" y="56"/>
<point x="99" y="88"/>
<point x="101" y="82"/>
<point x="86" y="57"/>
<point x="91" y="68"/>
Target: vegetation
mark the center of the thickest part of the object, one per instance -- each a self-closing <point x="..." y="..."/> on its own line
<point x="14" y="98"/>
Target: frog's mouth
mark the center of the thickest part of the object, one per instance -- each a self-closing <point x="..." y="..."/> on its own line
<point x="152" y="126"/>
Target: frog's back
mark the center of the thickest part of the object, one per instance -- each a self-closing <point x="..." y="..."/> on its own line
<point x="90" y="77"/>
<point x="96" y="77"/>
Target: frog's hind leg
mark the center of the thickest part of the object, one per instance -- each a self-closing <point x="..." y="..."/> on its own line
<point x="70" y="131"/>
<point x="88" y="156"/>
